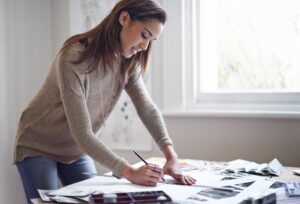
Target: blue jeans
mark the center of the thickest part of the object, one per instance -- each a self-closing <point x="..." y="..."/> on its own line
<point x="40" y="172"/>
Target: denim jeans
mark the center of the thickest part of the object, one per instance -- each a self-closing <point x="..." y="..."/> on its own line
<point x="40" y="172"/>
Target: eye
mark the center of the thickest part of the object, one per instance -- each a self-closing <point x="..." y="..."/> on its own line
<point x="144" y="35"/>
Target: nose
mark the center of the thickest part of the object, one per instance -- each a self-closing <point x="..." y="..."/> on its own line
<point x="144" y="45"/>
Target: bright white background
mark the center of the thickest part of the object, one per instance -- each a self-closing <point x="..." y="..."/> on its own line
<point x="31" y="33"/>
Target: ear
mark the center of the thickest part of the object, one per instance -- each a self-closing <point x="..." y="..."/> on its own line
<point x="124" y="18"/>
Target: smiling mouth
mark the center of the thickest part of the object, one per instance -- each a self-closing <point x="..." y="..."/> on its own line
<point x="134" y="51"/>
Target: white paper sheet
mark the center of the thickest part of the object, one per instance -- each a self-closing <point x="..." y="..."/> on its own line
<point x="239" y="165"/>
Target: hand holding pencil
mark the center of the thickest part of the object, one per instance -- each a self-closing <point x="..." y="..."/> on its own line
<point x="146" y="175"/>
<point x="154" y="171"/>
<point x="156" y="168"/>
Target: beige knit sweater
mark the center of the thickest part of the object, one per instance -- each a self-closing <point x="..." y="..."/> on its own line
<point x="63" y="119"/>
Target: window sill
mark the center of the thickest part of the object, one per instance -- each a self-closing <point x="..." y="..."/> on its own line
<point x="233" y="114"/>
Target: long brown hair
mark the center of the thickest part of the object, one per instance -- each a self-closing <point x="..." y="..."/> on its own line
<point x="105" y="47"/>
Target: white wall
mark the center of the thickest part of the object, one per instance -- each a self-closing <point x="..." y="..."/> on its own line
<point x="4" y="139"/>
<point x="10" y="184"/>
<point x="30" y="34"/>
<point x="255" y="139"/>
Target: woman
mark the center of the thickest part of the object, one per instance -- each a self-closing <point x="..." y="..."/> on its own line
<point x="56" y="132"/>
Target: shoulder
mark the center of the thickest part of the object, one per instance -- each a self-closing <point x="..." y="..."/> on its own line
<point x="66" y="58"/>
<point x="71" y="53"/>
<point x="66" y="68"/>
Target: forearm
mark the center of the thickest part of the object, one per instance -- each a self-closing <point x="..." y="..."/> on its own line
<point x="149" y="113"/>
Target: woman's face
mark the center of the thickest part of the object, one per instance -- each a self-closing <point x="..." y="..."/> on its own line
<point x="136" y="35"/>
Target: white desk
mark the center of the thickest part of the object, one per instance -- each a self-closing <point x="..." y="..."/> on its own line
<point x="110" y="184"/>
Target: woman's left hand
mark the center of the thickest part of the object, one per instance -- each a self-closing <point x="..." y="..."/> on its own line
<point x="171" y="168"/>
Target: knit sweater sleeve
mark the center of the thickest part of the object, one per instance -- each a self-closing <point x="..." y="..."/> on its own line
<point x="147" y="110"/>
<point x="71" y="86"/>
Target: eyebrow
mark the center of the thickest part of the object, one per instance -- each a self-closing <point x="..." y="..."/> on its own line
<point x="149" y="32"/>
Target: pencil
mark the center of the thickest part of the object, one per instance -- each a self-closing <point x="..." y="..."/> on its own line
<point x="140" y="157"/>
<point x="162" y="178"/>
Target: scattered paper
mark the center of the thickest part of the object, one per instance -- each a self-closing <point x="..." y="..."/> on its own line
<point x="71" y="197"/>
<point x="217" y="182"/>
<point x="239" y="165"/>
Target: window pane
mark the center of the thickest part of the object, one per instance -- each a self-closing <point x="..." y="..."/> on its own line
<point x="249" y="46"/>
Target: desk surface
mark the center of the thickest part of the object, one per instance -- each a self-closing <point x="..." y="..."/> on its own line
<point x="122" y="185"/>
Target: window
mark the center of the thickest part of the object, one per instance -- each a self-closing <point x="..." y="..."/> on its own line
<point x="249" y="46"/>
<point x="236" y="55"/>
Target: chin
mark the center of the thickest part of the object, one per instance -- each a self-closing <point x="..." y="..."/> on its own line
<point x="126" y="55"/>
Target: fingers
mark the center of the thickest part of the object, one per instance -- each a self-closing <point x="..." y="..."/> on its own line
<point x="157" y="172"/>
<point x="187" y="180"/>
<point x="156" y="169"/>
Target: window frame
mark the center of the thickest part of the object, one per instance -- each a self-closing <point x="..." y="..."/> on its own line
<point x="180" y="94"/>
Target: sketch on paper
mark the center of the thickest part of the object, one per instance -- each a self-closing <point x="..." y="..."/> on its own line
<point x="216" y="193"/>
<point x="123" y="129"/>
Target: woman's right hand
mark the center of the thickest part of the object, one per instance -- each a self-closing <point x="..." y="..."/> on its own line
<point x="147" y="175"/>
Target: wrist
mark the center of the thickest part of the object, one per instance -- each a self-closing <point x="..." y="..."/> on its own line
<point x="171" y="160"/>
<point x="127" y="172"/>
<point x="170" y="153"/>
